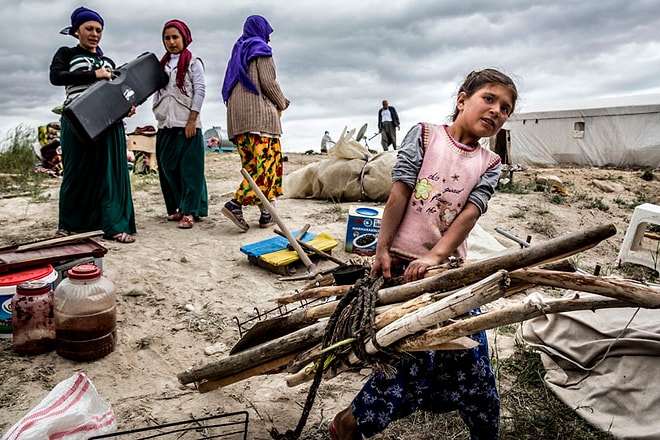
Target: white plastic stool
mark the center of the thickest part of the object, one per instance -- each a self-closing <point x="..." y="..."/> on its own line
<point x="631" y="250"/>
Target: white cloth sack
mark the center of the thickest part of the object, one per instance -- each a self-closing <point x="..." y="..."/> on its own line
<point x="73" y="410"/>
<point x="350" y="173"/>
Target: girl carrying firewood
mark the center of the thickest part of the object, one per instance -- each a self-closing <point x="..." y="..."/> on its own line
<point x="442" y="182"/>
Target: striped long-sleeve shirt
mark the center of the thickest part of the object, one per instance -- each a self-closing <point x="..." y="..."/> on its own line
<point x="73" y="68"/>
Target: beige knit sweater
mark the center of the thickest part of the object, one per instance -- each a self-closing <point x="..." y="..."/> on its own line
<point x="250" y="113"/>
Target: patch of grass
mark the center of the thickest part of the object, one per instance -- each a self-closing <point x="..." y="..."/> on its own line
<point x="515" y="187"/>
<point x="17" y="161"/>
<point x="335" y="209"/>
<point x="517" y="214"/>
<point x="557" y="199"/>
<point x="543" y="226"/>
<point x="648" y="175"/>
<point x="625" y="204"/>
<point x="542" y="211"/>
<point x="596" y="203"/>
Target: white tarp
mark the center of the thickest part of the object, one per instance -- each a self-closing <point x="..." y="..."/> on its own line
<point x="617" y="135"/>
<point x="604" y="364"/>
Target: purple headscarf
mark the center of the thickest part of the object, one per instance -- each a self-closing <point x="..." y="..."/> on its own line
<point x="253" y="43"/>
<point x="78" y="17"/>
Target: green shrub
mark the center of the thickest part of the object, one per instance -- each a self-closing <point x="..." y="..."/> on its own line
<point x="17" y="161"/>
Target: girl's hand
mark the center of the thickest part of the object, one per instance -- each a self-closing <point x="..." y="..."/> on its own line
<point x="190" y="129"/>
<point x="131" y="112"/>
<point x="103" y="73"/>
<point x="417" y="269"/>
<point x="382" y="264"/>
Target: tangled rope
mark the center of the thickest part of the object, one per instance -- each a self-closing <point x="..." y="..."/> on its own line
<point x="353" y="319"/>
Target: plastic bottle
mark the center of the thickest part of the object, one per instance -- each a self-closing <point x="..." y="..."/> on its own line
<point x="33" y="325"/>
<point x="85" y="314"/>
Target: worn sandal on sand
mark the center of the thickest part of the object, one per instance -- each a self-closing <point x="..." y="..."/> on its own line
<point x="62" y="233"/>
<point x="186" y="222"/>
<point x="177" y="216"/>
<point x="121" y="237"/>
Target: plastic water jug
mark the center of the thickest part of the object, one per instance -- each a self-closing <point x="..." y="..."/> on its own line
<point x="85" y="314"/>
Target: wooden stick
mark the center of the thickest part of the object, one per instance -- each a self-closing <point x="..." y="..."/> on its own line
<point x="276" y="348"/>
<point x="478" y="294"/>
<point x="517" y="313"/>
<point x="309" y="336"/>
<point x="551" y="250"/>
<point x="319" y="252"/>
<point x="307" y="374"/>
<point x="438" y="338"/>
<point x="58" y="241"/>
<point x="299" y="236"/>
<point x="316" y="292"/>
<point x="264" y="200"/>
<point x="632" y="292"/>
<point x="266" y="368"/>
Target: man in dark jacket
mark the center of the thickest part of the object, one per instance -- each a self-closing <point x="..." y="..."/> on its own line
<point x="388" y="119"/>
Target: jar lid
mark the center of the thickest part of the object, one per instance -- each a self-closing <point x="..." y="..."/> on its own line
<point x="34" y="287"/>
<point x="15" y="278"/>
<point x="85" y="271"/>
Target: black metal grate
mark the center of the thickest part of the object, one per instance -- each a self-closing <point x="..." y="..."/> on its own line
<point x="226" y="426"/>
<point x="248" y="323"/>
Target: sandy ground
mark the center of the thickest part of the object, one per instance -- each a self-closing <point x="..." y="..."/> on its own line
<point x="180" y="291"/>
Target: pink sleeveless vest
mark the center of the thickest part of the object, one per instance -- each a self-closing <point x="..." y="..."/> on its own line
<point x="448" y="174"/>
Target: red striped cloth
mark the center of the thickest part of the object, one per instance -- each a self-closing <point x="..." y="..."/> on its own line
<point x="72" y="410"/>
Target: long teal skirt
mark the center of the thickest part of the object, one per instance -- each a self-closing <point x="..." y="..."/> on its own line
<point x="96" y="188"/>
<point x="181" y="172"/>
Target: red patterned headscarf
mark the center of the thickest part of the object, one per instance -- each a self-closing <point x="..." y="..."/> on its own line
<point x="185" y="56"/>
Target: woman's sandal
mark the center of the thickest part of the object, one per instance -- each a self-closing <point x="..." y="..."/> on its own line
<point x="177" y="216"/>
<point x="62" y="233"/>
<point x="186" y="222"/>
<point x="121" y="237"/>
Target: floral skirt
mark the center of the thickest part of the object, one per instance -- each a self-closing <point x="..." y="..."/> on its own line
<point x="261" y="157"/>
<point x="435" y="381"/>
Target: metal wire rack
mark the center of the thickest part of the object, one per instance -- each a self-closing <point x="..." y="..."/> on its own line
<point x="282" y="310"/>
<point x="227" y="426"/>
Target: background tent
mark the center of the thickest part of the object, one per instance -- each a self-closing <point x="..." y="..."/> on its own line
<point x="618" y="132"/>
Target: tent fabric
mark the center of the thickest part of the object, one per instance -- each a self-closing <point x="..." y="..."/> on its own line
<point x="604" y="364"/>
<point x="619" y="136"/>
<point x="350" y="173"/>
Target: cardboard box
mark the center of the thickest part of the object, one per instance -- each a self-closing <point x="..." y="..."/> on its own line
<point x="362" y="230"/>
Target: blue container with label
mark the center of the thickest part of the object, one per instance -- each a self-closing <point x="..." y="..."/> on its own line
<point x="362" y="230"/>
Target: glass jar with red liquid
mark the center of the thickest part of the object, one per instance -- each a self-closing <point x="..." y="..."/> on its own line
<point x="33" y="324"/>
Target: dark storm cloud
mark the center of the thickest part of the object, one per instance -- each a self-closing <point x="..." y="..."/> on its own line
<point x="337" y="60"/>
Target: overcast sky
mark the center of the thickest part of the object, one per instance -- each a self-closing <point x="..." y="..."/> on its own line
<point x="337" y="60"/>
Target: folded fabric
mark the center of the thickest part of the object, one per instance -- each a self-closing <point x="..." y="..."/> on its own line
<point x="73" y="410"/>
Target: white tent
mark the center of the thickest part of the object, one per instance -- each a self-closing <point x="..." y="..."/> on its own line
<point x="619" y="132"/>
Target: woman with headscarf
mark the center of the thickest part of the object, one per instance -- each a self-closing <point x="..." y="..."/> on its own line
<point x="254" y="105"/>
<point x="179" y="142"/>
<point x="96" y="190"/>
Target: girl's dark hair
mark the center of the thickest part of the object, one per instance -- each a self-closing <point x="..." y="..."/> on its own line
<point x="481" y="78"/>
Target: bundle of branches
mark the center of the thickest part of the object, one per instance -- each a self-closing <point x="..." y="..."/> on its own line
<point x="431" y="313"/>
